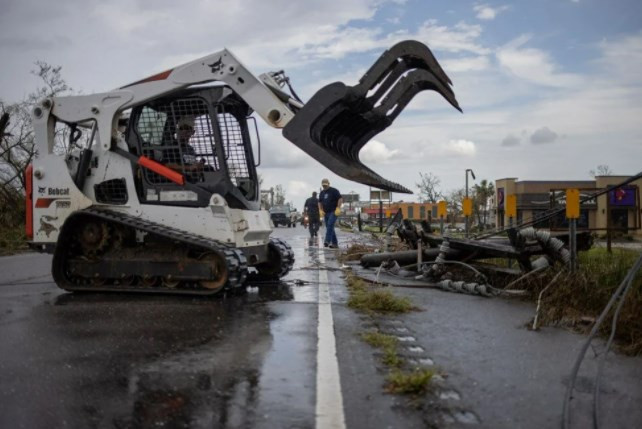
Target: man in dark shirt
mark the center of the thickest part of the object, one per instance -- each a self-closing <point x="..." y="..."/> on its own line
<point x="311" y="208"/>
<point x="330" y="207"/>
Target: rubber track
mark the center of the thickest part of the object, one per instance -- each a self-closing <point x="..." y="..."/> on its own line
<point x="287" y="255"/>
<point x="235" y="259"/>
<point x="286" y="258"/>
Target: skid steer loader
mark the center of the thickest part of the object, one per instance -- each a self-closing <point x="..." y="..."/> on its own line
<point x="157" y="189"/>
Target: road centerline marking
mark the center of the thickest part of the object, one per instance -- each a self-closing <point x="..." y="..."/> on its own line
<point x="329" y="406"/>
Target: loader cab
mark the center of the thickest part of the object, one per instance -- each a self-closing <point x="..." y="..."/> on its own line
<point x="202" y="134"/>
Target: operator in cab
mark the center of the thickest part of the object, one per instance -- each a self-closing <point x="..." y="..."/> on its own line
<point x="182" y="158"/>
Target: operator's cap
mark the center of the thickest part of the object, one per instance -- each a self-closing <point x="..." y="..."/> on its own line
<point x="186" y="120"/>
<point x="325" y="182"/>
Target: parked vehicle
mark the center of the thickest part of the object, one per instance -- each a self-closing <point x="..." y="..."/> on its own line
<point x="280" y="215"/>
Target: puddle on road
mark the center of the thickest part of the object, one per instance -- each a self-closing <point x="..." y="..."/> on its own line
<point x="287" y="374"/>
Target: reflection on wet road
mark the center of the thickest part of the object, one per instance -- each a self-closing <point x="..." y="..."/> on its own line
<point x="115" y="360"/>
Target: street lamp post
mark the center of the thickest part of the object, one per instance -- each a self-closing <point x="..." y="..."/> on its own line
<point x="466" y="217"/>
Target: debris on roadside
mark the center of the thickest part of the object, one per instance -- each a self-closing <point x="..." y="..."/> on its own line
<point x="356" y="251"/>
<point x="523" y="262"/>
<point x="475" y="266"/>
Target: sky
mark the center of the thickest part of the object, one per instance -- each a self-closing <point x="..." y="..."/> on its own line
<point x="550" y="89"/>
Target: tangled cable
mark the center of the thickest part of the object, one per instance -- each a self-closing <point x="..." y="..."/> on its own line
<point x="620" y="293"/>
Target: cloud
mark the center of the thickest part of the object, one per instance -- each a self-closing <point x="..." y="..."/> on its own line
<point x="621" y="58"/>
<point x="298" y="189"/>
<point x="487" y="13"/>
<point x="534" y="65"/>
<point x="466" y="64"/>
<point x="377" y="152"/>
<point x="543" y="135"/>
<point x="35" y="43"/>
<point x="276" y="151"/>
<point x="511" y="140"/>
<point x="460" y="147"/>
<point x="336" y="43"/>
<point x="123" y="22"/>
<point x="460" y="38"/>
<point x="592" y="96"/>
<point x="332" y="42"/>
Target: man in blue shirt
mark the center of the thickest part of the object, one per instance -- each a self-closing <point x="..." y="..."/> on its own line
<point x="330" y="207"/>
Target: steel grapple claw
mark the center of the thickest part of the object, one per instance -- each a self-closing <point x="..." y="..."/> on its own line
<point x="339" y="120"/>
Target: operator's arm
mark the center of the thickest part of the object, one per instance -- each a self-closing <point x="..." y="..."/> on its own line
<point x="184" y="167"/>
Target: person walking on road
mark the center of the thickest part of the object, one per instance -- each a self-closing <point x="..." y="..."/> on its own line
<point x="311" y="208"/>
<point x="330" y="207"/>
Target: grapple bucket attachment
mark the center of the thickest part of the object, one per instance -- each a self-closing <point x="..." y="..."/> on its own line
<point x="339" y="120"/>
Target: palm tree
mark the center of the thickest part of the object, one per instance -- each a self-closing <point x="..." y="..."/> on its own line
<point x="482" y="193"/>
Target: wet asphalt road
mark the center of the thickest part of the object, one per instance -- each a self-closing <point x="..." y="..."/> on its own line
<point x="249" y="361"/>
<point x="126" y="360"/>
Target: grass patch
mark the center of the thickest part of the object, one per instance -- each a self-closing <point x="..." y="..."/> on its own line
<point x="388" y="344"/>
<point x="391" y="358"/>
<point x="365" y="298"/>
<point x="414" y="382"/>
<point x="371" y="299"/>
<point x="12" y="240"/>
<point x="398" y="381"/>
<point x="583" y="295"/>
<point x="379" y="340"/>
<point x="379" y="301"/>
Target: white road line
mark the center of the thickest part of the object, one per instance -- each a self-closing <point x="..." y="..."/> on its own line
<point x="329" y="410"/>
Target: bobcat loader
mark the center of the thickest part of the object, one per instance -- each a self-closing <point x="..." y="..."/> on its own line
<point x="158" y="190"/>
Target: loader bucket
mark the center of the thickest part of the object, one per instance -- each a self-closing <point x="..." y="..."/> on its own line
<point x="339" y="120"/>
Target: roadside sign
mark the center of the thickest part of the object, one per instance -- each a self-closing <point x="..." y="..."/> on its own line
<point x="467" y="205"/>
<point x="572" y="203"/>
<point x="441" y="209"/>
<point x="511" y="205"/>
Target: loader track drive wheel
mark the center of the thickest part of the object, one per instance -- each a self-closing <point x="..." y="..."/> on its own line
<point x="158" y="190"/>
<point x="279" y="264"/>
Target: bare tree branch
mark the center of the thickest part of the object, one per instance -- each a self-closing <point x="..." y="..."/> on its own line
<point x="601" y="170"/>
<point x="428" y="188"/>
